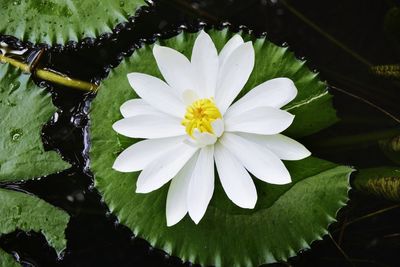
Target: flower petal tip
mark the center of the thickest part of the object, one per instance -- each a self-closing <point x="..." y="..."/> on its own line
<point x="238" y="37"/>
<point x="196" y="221"/>
<point x="250" y="205"/>
<point x="115" y="166"/>
<point x="172" y="221"/>
<point x="196" y="217"/>
<point x="115" y="127"/>
<point x="285" y="180"/>
<point x="142" y="189"/>
<point x="169" y="224"/>
<point x="307" y="154"/>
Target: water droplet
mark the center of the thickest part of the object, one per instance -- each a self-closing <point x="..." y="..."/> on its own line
<point x="16" y="134"/>
<point x="17" y="2"/>
<point x="14" y="86"/>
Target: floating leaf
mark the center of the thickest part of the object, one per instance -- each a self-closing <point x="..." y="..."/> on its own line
<point x="24" y="109"/>
<point x="59" y="21"/>
<point x="286" y="218"/>
<point x="7" y="260"/>
<point x="28" y="213"/>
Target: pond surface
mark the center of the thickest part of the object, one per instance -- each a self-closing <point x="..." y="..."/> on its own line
<point x="340" y="39"/>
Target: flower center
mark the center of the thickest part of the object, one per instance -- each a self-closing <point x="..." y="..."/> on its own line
<point x="199" y="115"/>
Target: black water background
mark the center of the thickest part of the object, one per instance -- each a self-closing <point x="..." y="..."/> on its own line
<point x="94" y="236"/>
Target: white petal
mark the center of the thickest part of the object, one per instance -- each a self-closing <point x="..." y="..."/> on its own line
<point x="156" y="93"/>
<point x="139" y="155"/>
<point x="164" y="168"/>
<point x="175" y="68"/>
<point x="234" y="75"/>
<point x="284" y="147"/>
<point x="273" y="93"/>
<point x="204" y="139"/>
<point x="258" y="160"/>
<point x="178" y="192"/>
<point x="234" y="178"/>
<point x="189" y="96"/>
<point x="205" y="65"/>
<point x="229" y="47"/>
<point x="218" y="127"/>
<point x="201" y="186"/>
<point x="261" y="120"/>
<point x="136" y="107"/>
<point x="149" y="126"/>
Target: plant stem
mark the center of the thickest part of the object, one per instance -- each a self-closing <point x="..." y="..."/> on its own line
<point x="50" y="75"/>
<point x="20" y="65"/>
<point x="372" y="214"/>
<point x="64" y="80"/>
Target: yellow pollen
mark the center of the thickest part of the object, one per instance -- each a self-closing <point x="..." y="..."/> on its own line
<point x="199" y="115"/>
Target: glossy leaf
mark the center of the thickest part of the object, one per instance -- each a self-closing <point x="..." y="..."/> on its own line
<point x="24" y="109"/>
<point x="59" y="21"/>
<point x="28" y="213"/>
<point x="286" y="218"/>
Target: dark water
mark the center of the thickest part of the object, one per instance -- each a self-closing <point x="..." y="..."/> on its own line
<point x="94" y="236"/>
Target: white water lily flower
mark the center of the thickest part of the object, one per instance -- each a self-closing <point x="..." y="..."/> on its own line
<point x="189" y="122"/>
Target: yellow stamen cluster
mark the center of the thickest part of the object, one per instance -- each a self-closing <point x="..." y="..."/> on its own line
<point x="199" y="115"/>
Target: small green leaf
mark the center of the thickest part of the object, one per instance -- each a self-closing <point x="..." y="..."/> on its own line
<point x="381" y="182"/>
<point x="59" y="21"/>
<point x="24" y="109"/>
<point x="6" y="260"/>
<point x="286" y="218"/>
<point x="29" y="213"/>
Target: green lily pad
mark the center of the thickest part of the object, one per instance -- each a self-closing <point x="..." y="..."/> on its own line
<point x="286" y="219"/>
<point x="24" y="109"/>
<point x="28" y="213"/>
<point x="59" y="21"/>
<point x="7" y="260"/>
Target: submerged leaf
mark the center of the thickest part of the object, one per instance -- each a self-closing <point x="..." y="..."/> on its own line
<point x="286" y="219"/>
<point x="24" y="109"/>
<point x="381" y="182"/>
<point x="59" y="21"/>
<point x="391" y="148"/>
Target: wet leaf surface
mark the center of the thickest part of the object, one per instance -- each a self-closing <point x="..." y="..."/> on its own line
<point x="279" y="225"/>
<point x="58" y="21"/>
<point x="97" y="239"/>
